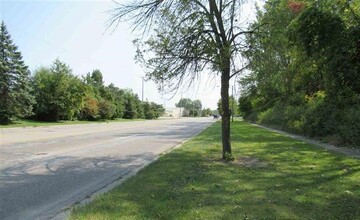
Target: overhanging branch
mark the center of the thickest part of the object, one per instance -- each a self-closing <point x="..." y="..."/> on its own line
<point x="240" y="70"/>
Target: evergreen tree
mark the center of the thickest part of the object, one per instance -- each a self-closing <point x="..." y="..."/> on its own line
<point x="59" y="93"/>
<point x="15" y="90"/>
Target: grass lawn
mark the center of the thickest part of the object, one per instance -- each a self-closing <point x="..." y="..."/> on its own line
<point x="273" y="177"/>
<point x="32" y="123"/>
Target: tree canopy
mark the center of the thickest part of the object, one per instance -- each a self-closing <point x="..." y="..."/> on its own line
<point x="305" y="67"/>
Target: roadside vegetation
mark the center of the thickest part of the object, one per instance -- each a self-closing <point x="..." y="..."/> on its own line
<point x="55" y="93"/>
<point x="272" y="177"/>
<point x="304" y="69"/>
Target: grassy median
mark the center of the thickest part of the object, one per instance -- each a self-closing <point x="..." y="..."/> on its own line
<point x="273" y="177"/>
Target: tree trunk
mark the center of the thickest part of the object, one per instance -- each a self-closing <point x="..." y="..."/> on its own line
<point x="225" y="77"/>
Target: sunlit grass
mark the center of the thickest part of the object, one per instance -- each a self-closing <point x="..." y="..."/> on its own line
<point x="288" y="180"/>
<point x="33" y="123"/>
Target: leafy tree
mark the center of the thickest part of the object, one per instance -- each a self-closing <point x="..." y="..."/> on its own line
<point x="96" y="83"/>
<point x="149" y="112"/>
<point x="130" y="105"/>
<point x="90" y="109"/>
<point x="194" y="113"/>
<point x="118" y="100"/>
<point x="16" y="99"/>
<point x="245" y="107"/>
<point x="159" y="110"/>
<point x="206" y="112"/>
<point x="111" y="99"/>
<point x="59" y="94"/>
<point x="106" y="109"/>
<point x="233" y="107"/>
<point x="304" y="63"/>
<point x="197" y="105"/>
<point x="152" y="110"/>
<point x="95" y="78"/>
<point x="185" y="103"/>
<point x="114" y="102"/>
<point x="335" y="43"/>
<point x="192" y="107"/>
<point x="188" y="37"/>
<point x="139" y="107"/>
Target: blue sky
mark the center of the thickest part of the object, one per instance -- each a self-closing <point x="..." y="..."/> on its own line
<point x="75" y="32"/>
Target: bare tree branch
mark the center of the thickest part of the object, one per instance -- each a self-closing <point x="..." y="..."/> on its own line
<point x="186" y="37"/>
<point x="240" y="70"/>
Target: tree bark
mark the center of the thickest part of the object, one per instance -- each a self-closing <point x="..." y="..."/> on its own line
<point x="225" y="77"/>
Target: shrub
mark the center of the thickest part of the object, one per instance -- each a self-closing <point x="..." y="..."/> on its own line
<point x="273" y="116"/>
<point x="245" y="107"/>
<point x="318" y="116"/>
<point x="106" y="109"/>
<point x="349" y="125"/>
<point x="294" y="118"/>
<point x="90" y="110"/>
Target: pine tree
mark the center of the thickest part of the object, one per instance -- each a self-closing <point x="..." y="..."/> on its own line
<point x="15" y="89"/>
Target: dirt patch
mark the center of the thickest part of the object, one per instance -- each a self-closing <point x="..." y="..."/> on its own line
<point x="245" y="161"/>
<point x="250" y="162"/>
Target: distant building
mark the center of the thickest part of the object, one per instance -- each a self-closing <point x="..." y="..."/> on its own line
<point x="173" y="112"/>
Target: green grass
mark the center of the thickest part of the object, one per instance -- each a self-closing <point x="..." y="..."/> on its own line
<point x="292" y="180"/>
<point x="33" y="123"/>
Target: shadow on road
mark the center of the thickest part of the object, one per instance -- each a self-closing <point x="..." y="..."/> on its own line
<point x="27" y="186"/>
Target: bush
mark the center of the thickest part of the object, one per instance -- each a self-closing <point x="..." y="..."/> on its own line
<point x="106" y="109"/>
<point x="294" y="118"/>
<point x="273" y="116"/>
<point x="245" y="107"/>
<point x="90" y="110"/>
<point x="318" y="116"/>
<point x="349" y="125"/>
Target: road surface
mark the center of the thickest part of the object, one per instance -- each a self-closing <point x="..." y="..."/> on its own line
<point x="43" y="170"/>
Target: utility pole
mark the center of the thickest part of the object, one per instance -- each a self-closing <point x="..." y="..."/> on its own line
<point x="142" y="90"/>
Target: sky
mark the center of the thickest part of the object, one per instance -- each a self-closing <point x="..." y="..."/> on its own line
<point x="74" y="32"/>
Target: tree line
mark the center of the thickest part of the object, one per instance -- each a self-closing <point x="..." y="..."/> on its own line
<point x="305" y="69"/>
<point x="55" y="93"/>
<point x="193" y="108"/>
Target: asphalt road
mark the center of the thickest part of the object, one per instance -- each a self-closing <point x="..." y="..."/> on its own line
<point x="46" y="169"/>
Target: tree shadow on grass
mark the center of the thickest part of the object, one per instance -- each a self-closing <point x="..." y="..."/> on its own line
<point x="299" y="183"/>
